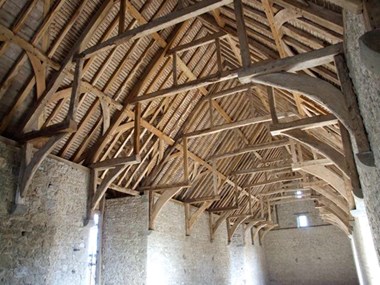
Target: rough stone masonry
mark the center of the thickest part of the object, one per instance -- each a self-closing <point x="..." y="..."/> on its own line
<point x="43" y="241"/>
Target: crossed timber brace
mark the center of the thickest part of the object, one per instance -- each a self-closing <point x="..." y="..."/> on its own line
<point x="113" y="167"/>
<point x="169" y="190"/>
<point x="206" y="201"/>
<point x="32" y="160"/>
<point x="232" y="226"/>
<point x="51" y="135"/>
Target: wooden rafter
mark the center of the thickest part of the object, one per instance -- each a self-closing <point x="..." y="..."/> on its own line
<point x="55" y="81"/>
<point x="101" y="113"/>
<point x="172" y="19"/>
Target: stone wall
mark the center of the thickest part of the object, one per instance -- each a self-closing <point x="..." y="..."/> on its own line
<point x="319" y="254"/>
<point x="124" y="245"/>
<point x="43" y="242"/>
<point x="194" y="260"/>
<point x="366" y="261"/>
<point x="367" y="87"/>
<point x="171" y="256"/>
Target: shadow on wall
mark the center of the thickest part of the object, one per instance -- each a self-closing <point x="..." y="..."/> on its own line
<point x="173" y="258"/>
<point x="366" y="261"/>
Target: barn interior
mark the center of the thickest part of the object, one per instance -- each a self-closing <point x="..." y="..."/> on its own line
<point x="189" y="142"/>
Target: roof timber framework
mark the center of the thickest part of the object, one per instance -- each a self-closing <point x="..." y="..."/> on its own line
<point x="230" y="106"/>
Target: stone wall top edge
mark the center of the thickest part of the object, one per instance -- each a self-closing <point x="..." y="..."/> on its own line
<point x="15" y="144"/>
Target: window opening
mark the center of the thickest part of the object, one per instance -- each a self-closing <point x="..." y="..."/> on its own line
<point x="302" y="221"/>
<point x="93" y="251"/>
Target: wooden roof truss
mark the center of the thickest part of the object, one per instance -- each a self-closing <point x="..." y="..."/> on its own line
<point x="185" y="101"/>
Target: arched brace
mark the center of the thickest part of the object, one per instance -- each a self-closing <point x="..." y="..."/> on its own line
<point x="7" y="35"/>
<point x="255" y="233"/>
<point x="192" y="218"/>
<point x="330" y="207"/>
<point x="285" y="15"/>
<point x="156" y="207"/>
<point x="167" y="155"/>
<point x="319" y="146"/>
<point x="64" y="95"/>
<point x="265" y="232"/>
<point x="329" y="195"/>
<point x="330" y="97"/>
<point x="106" y="182"/>
<point x="334" y="220"/>
<point x="252" y="224"/>
<point x="318" y="90"/>
<point x="114" y="167"/>
<point x="31" y="162"/>
<point x="331" y="178"/>
<point x="84" y="87"/>
<point x="68" y="124"/>
<point x="215" y="225"/>
<point x="106" y="115"/>
<point x="36" y="57"/>
<point x="61" y="94"/>
<point x="39" y="73"/>
<point x="231" y="229"/>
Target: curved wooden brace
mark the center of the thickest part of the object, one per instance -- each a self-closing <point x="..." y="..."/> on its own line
<point x="331" y="207"/>
<point x="218" y="222"/>
<point x="61" y="94"/>
<point x="231" y="229"/>
<point x="252" y="223"/>
<point x="102" y="100"/>
<point x="31" y="162"/>
<point x="258" y="228"/>
<point x="321" y="147"/>
<point x="330" y="177"/>
<point x="286" y="15"/>
<point x="342" y="204"/>
<point x="155" y="208"/>
<point x="7" y="35"/>
<point x="318" y="90"/>
<point x="106" y="115"/>
<point x="191" y="218"/>
<point x="266" y="231"/>
<point x="106" y="182"/>
<point x="84" y="87"/>
<point x="39" y="73"/>
<point x="334" y="220"/>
